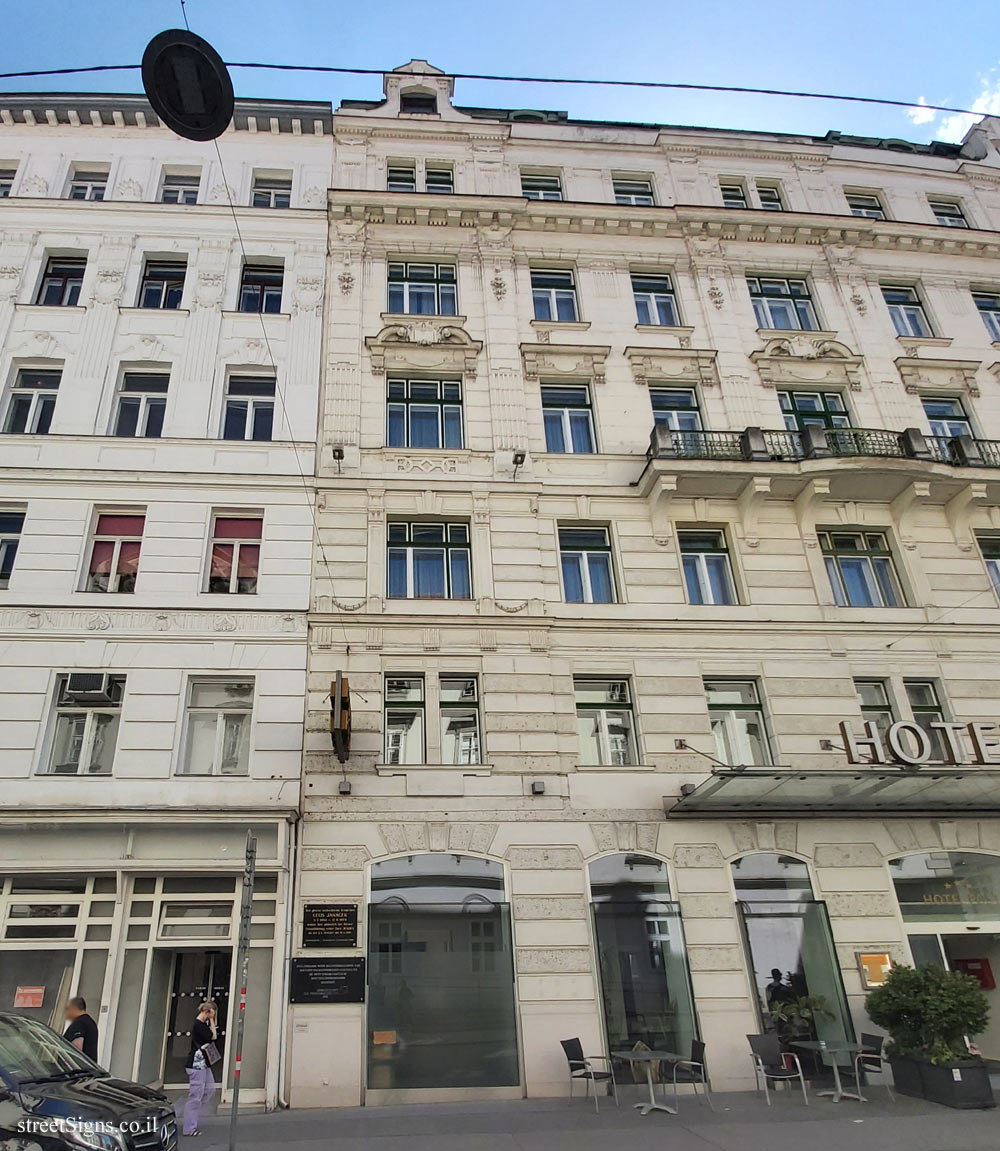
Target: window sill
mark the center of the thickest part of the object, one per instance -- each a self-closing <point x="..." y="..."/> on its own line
<point x="388" y="318"/>
<point x="153" y="311"/>
<point x="667" y="329"/>
<point x="73" y="775"/>
<point x="925" y="341"/>
<point x="809" y="333"/>
<point x="53" y="309"/>
<point x="616" y="767"/>
<point x="233" y="315"/>
<point x="387" y="769"/>
<point x="211" y="775"/>
<point x="560" y="325"/>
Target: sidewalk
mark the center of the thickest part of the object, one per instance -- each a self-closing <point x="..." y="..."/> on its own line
<point x="740" y="1123"/>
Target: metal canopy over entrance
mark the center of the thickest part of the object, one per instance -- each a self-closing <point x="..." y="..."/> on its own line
<point x="866" y="791"/>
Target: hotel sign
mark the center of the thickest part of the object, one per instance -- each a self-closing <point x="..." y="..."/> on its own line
<point x="911" y="745"/>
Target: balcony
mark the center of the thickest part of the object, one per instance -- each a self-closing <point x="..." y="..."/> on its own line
<point x="815" y="443"/>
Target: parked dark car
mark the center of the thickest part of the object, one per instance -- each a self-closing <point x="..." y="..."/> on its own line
<point x="53" y="1098"/>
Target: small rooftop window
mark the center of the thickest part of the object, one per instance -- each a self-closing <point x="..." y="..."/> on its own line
<point x="419" y="103"/>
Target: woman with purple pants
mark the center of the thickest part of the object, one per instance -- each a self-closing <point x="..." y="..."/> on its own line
<point x="199" y="1072"/>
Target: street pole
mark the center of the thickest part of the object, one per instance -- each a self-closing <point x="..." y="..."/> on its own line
<point x="244" y="957"/>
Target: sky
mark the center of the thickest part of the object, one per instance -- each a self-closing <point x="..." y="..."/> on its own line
<point x="900" y="49"/>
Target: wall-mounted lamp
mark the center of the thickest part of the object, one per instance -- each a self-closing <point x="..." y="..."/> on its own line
<point x="537" y="787"/>
<point x="688" y="789"/>
<point x="680" y="744"/>
<point x="338" y="455"/>
<point x="344" y="787"/>
<point x="519" y="457"/>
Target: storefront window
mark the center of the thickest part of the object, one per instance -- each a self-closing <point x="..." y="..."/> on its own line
<point x="943" y="885"/>
<point x="645" y="983"/>
<point x="441" y="975"/>
<point x="789" y="944"/>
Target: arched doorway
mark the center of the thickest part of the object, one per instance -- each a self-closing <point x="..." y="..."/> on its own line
<point x="789" y="945"/>
<point x="645" y="982"/>
<point x="440" y="975"/>
<point x="950" y="903"/>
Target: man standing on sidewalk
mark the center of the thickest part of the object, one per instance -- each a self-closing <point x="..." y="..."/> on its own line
<point x="82" y="1030"/>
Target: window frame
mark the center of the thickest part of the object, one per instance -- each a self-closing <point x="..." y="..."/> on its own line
<point x="908" y="314"/>
<point x="443" y="282"/>
<point x="729" y="185"/>
<point x="542" y="186"/>
<point x="394" y="175"/>
<point x="444" y="407"/>
<point x="69" y="281"/>
<point x="553" y="293"/>
<point x="117" y="540"/>
<point x="770" y="196"/>
<point x="183" y="183"/>
<point x="797" y="304"/>
<point x="170" y="281"/>
<point x="633" y="191"/>
<point x="586" y="554"/>
<point x="7" y="178"/>
<point x="869" y="553"/>
<point x="255" y="402"/>
<point x="992" y="562"/>
<point x="448" y="707"/>
<point x="662" y="415"/>
<point x="566" y="420"/>
<point x="10" y="539"/>
<point x="654" y="290"/>
<point x="93" y="183"/>
<point x="699" y="570"/>
<point x="990" y="315"/>
<point x="151" y="401"/>
<point x="797" y="419"/>
<point x="757" y="708"/>
<point x="449" y="548"/>
<point x="883" y="714"/>
<point x="438" y="187"/>
<point x="872" y="209"/>
<point x="276" y="190"/>
<point x="238" y="543"/>
<point x="946" y="434"/>
<point x="41" y="402"/>
<point x="91" y="728"/>
<point x="956" y="218"/>
<point x="418" y="706"/>
<point x="223" y="715"/>
<point x="926" y="713"/>
<point x="606" y="756"/>
<point x="262" y="278"/>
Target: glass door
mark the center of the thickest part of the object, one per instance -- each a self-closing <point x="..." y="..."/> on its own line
<point x="198" y="975"/>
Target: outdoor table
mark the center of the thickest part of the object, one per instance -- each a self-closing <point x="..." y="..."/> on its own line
<point x="649" y="1058"/>
<point x="833" y="1047"/>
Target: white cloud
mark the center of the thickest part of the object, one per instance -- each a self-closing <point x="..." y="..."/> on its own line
<point x="987" y="103"/>
<point x="921" y="114"/>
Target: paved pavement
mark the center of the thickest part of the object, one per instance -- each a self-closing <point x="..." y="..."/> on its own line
<point x="740" y="1123"/>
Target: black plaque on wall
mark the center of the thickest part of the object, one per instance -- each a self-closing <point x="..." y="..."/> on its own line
<point x="323" y="980"/>
<point x="330" y="925"/>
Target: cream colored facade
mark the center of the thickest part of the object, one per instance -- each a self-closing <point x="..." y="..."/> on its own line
<point x="534" y="803"/>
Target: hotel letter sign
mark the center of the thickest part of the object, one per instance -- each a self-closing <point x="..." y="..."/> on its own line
<point x="910" y="744"/>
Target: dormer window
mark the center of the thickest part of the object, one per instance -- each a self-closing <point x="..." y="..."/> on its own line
<point x="418" y="104"/>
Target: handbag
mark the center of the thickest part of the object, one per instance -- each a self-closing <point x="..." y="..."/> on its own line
<point x="211" y="1052"/>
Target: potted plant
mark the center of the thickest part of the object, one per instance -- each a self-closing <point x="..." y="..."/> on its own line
<point x="931" y="1014"/>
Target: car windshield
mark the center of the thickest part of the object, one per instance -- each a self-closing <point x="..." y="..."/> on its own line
<point x="30" y="1052"/>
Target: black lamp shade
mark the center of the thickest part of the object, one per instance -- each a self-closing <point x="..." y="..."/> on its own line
<point x="188" y="85"/>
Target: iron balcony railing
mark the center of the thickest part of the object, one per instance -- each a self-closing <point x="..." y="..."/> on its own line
<point x="758" y="444"/>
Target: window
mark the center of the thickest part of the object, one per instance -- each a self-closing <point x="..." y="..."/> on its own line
<point x="142" y="403"/>
<point x="260" y="288"/>
<point x="676" y="408"/>
<point x="946" y="417"/>
<point x="655" y="302"/>
<point x="569" y="425"/>
<point x="988" y="304"/>
<point x="32" y="402"/>
<point x="769" y="196"/>
<point x="708" y="574"/>
<point x="537" y="187"/>
<point x="737" y="718"/>
<point x="424" y="414"/>
<point x="6" y="181"/>
<point x="585" y="556"/>
<point x="554" y="294"/>
<point x="11" y="524"/>
<point x="162" y="284"/>
<point x="218" y="727"/>
<point x="865" y="204"/>
<point x="605" y="721"/>
<point x="639" y="193"/>
<point x="249" y="413"/>
<point x="906" y="310"/>
<point x="88" y="185"/>
<point x="418" y="103"/>
<point x="114" y="557"/>
<point x="460" y="719"/>
<point x="923" y="700"/>
<point x="873" y="699"/>
<point x="949" y="213"/>
<point x="271" y="192"/>
<point x="180" y="188"/>
<point x="734" y="195"/>
<point x="782" y="304"/>
<point x="813" y="409"/>
<point x="401" y="178"/>
<point x="88" y="710"/>
<point x="423" y="289"/>
<point x="860" y="568"/>
<point x="60" y="287"/>
<point x="990" y="548"/>
<point x="439" y="179"/>
<point x="429" y="561"/>
<point x="235" y="556"/>
<point x="404" y="719"/>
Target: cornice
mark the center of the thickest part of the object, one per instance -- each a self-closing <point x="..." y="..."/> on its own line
<point x="151" y="622"/>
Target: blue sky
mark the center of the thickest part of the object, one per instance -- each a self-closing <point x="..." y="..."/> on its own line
<point x="905" y="49"/>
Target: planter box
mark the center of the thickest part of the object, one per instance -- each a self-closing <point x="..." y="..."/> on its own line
<point x="964" y="1083"/>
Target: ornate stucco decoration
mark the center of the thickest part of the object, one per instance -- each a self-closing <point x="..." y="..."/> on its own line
<point x="921" y="375"/>
<point x="696" y="365"/>
<point x="581" y="360"/>
<point x="424" y="343"/>
<point x="807" y="358"/>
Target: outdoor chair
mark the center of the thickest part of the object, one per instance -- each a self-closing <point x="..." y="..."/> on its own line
<point x="770" y="1062"/>
<point x="581" y="1067"/>
<point x="693" y="1071"/>
<point x="870" y="1058"/>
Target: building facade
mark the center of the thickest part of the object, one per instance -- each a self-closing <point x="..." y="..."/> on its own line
<point x="648" y="457"/>
<point x="159" y="414"/>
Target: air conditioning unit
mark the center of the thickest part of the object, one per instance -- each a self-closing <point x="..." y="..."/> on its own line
<point x="89" y="687"/>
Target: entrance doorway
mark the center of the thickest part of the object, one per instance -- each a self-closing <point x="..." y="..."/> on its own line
<point x="194" y="976"/>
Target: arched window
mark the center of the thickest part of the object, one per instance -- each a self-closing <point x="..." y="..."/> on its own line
<point x="645" y="983"/>
<point x="440" y="975"/>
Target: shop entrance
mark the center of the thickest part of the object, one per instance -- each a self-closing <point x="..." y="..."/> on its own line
<point x="195" y="976"/>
